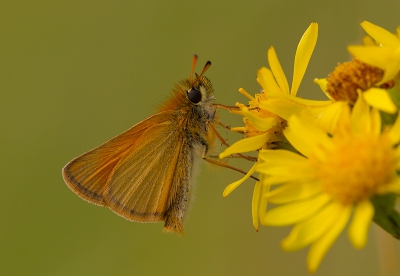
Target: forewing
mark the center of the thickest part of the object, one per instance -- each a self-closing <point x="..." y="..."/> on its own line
<point x="145" y="181"/>
<point x="87" y="175"/>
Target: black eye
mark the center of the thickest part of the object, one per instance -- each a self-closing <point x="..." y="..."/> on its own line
<point x="194" y="95"/>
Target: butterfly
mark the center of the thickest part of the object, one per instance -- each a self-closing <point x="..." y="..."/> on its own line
<point x="145" y="174"/>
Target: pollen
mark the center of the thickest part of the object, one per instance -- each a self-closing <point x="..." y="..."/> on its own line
<point x="357" y="168"/>
<point x="349" y="77"/>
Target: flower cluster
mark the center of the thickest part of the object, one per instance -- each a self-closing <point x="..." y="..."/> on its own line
<point x="326" y="164"/>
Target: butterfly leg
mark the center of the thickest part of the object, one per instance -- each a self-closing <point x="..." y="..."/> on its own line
<point x="249" y="158"/>
<point x="222" y="164"/>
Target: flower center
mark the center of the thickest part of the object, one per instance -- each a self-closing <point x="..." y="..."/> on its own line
<point x="357" y="168"/>
<point x="249" y="130"/>
<point x="350" y="76"/>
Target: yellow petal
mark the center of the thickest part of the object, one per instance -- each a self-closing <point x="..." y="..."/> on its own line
<point x="259" y="202"/>
<point x="303" y="54"/>
<point x="312" y="229"/>
<point x="246" y="145"/>
<point x="276" y="69"/>
<point x="319" y="249"/>
<point x="385" y="58"/>
<point x="235" y="184"/>
<point x="358" y="229"/>
<point x="344" y="122"/>
<point x="267" y="81"/>
<point x="382" y="36"/>
<point x="295" y="212"/>
<point x="392" y="68"/>
<point x="282" y="166"/>
<point x="262" y="124"/>
<point x="394" y="186"/>
<point x="285" y="105"/>
<point x="281" y="107"/>
<point x="293" y="191"/>
<point x="284" y="175"/>
<point x="306" y="137"/>
<point x="372" y="55"/>
<point x="376" y="124"/>
<point x="279" y="157"/>
<point x="322" y="84"/>
<point x="360" y="116"/>
<point x="394" y="132"/>
<point x="368" y="41"/>
<point x="330" y="116"/>
<point x="380" y="99"/>
<point x="255" y="204"/>
<point x="313" y="107"/>
<point x="305" y="103"/>
<point x="263" y="200"/>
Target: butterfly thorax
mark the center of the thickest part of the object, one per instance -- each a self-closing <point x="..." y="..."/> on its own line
<point x="193" y="118"/>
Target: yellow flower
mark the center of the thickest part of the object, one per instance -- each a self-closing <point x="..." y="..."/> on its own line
<point x="372" y="72"/>
<point x="343" y="86"/>
<point x="276" y="102"/>
<point x="333" y="176"/>
<point x="281" y="100"/>
<point x="384" y="55"/>
<point x="354" y="76"/>
<point x="266" y="114"/>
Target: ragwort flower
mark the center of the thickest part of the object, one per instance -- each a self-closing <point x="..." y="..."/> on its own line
<point x="333" y="176"/>
<point x="354" y="76"/>
<point x="385" y="54"/>
<point x="265" y="116"/>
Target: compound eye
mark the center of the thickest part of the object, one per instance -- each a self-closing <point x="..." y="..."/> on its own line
<point x="194" y="95"/>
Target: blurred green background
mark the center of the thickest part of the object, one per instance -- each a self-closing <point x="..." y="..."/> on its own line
<point x="73" y="74"/>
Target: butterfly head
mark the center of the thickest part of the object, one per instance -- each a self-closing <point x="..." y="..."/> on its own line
<point x="194" y="92"/>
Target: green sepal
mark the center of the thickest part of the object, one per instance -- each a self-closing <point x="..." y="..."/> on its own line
<point x="385" y="214"/>
<point x="387" y="119"/>
<point x="283" y="143"/>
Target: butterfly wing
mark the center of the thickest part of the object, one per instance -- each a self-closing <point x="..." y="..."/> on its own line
<point x="151" y="183"/>
<point x="137" y="174"/>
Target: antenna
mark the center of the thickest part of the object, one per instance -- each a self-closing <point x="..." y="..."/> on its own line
<point x="194" y="61"/>
<point x="206" y="66"/>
